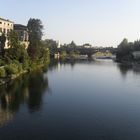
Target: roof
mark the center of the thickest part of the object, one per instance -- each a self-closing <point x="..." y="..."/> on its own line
<point x="6" y="20"/>
<point x="20" y="27"/>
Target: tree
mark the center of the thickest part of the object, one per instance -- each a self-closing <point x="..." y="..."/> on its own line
<point x="16" y="50"/>
<point x="124" y="43"/>
<point x="73" y="45"/>
<point x="2" y="44"/>
<point x="35" y="28"/>
<point x="124" y="50"/>
<point x="13" y="39"/>
<point x="136" y="45"/>
<point x="52" y="45"/>
<point x="44" y="52"/>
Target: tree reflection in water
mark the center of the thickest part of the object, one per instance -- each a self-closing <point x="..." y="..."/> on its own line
<point x="125" y="68"/>
<point x="27" y="89"/>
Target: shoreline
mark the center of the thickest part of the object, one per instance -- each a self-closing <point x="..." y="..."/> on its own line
<point x="8" y="79"/>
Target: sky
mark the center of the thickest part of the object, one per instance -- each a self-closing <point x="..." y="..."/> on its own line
<point x="98" y="22"/>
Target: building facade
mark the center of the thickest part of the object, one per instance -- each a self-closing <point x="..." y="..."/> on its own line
<point x="5" y="27"/>
<point x="23" y="35"/>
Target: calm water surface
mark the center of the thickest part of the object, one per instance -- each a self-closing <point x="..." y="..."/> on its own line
<point x="73" y="101"/>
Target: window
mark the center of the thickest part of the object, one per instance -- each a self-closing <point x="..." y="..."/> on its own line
<point x="4" y="31"/>
<point x="8" y="31"/>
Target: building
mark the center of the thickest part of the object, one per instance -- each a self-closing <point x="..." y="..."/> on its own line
<point x="23" y="34"/>
<point x="58" y="44"/>
<point x="136" y="54"/>
<point x="5" y="27"/>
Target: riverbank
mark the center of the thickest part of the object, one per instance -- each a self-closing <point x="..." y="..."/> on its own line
<point x="8" y="78"/>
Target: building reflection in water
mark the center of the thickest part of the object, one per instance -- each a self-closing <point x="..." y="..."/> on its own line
<point x="28" y="90"/>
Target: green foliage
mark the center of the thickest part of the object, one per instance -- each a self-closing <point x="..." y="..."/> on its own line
<point x="44" y="52"/>
<point x="2" y="43"/>
<point x="25" y="64"/>
<point x="13" y="39"/>
<point x="17" y="65"/>
<point x="2" y="62"/>
<point x="35" y="28"/>
<point x="136" y="45"/>
<point x="124" y="50"/>
<point x="16" y="50"/>
<point x="70" y="50"/>
<point x="63" y="54"/>
<point x="17" y="59"/>
<point x="2" y="72"/>
<point x="73" y="45"/>
<point x="73" y="54"/>
<point x="11" y="69"/>
<point x="19" y="53"/>
<point x="51" y="44"/>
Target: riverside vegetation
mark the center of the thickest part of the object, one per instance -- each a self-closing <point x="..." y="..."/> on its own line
<point x="17" y="59"/>
<point x="125" y="51"/>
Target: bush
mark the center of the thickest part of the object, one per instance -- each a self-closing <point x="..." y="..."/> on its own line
<point x="2" y="63"/>
<point x="63" y="54"/>
<point x="25" y="64"/>
<point x="2" y="72"/>
<point x="11" y="69"/>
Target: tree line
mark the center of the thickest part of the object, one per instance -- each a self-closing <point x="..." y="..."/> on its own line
<point x="125" y="50"/>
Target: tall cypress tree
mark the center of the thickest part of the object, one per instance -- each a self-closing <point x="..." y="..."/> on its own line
<point x="35" y="28"/>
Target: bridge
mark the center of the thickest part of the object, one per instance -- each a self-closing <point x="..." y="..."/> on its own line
<point x="82" y="51"/>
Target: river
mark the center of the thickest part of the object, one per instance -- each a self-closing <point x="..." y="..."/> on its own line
<point x="85" y="100"/>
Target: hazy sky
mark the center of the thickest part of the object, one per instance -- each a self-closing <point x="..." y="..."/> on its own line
<point x="99" y="22"/>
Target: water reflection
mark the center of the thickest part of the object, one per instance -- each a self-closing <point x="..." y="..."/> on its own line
<point x="56" y="64"/>
<point x="90" y="101"/>
<point x="5" y="117"/>
<point x="27" y="89"/>
<point x="125" y="68"/>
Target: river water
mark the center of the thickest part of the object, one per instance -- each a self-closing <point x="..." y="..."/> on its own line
<point x="87" y="100"/>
